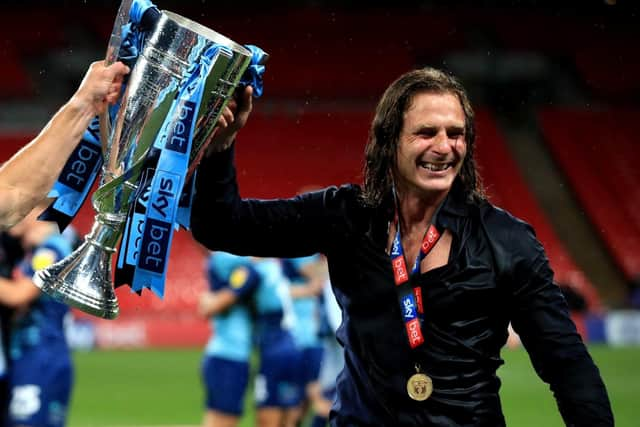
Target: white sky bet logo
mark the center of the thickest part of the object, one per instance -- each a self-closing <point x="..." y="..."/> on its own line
<point x="409" y="307"/>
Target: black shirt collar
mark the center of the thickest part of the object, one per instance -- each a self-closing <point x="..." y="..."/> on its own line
<point x="456" y="203"/>
<point x="455" y="208"/>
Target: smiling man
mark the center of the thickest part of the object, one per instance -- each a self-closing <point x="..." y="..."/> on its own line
<point x="427" y="272"/>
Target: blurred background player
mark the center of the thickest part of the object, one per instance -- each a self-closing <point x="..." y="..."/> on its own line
<point x="11" y="253"/>
<point x="40" y="377"/>
<point x="306" y="275"/>
<point x="277" y="391"/>
<point x="322" y="395"/>
<point x="249" y="297"/>
<point x="225" y="368"/>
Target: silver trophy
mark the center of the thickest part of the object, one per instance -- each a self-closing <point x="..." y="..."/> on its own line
<point x="84" y="278"/>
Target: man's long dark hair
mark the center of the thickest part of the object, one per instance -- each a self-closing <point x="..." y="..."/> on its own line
<point x="381" y="149"/>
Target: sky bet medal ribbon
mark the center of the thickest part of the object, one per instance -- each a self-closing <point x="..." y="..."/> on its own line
<point x="419" y="385"/>
<point x="170" y="51"/>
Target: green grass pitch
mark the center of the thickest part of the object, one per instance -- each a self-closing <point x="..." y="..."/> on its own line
<point x="162" y="388"/>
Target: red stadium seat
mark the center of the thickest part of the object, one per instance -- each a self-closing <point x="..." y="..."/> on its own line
<point x="596" y="63"/>
<point x="316" y="54"/>
<point x="598" y="151"/>
<point x="14" y="79"/>
<point x="535" y="30"/>
<point x="10" y="143"/>
<point x="331" y="70"/>
<point x="279" y="154"/>
<point x="34" y="31"/>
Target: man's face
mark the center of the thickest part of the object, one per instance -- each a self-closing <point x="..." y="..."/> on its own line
<point x="432" y="145"/>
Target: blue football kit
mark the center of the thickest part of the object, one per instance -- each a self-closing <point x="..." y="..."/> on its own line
<point x="225" y="367"/>
<point x="41" y="373"/>
<point x="307" y="327"/>
<point x="276" y="383"/>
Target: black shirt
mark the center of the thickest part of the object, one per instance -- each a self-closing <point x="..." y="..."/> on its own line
<point x="497" y="273"/>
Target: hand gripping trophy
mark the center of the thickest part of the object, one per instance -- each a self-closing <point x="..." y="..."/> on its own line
<point x="182" y="76"/>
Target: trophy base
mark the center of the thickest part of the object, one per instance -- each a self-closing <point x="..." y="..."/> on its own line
<point x="79" y="283"/>
<point x="67" y="294"/>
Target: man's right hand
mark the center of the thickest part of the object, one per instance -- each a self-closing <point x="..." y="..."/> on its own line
<point x="233" y="118"/>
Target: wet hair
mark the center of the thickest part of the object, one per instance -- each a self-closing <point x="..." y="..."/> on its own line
<point x="381" y="149"/>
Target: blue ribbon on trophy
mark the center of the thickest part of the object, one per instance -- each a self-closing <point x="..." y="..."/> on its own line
<point x="175" y="140"/>
<point x="253" y="76"/>
<point x="76" y="179"/>
<point x="81" y="169"/>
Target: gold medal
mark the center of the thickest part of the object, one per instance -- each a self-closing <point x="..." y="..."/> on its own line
<point x="419" y="387"/>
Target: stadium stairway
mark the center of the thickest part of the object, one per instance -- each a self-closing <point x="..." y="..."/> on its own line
<point x="564" y="211"/>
